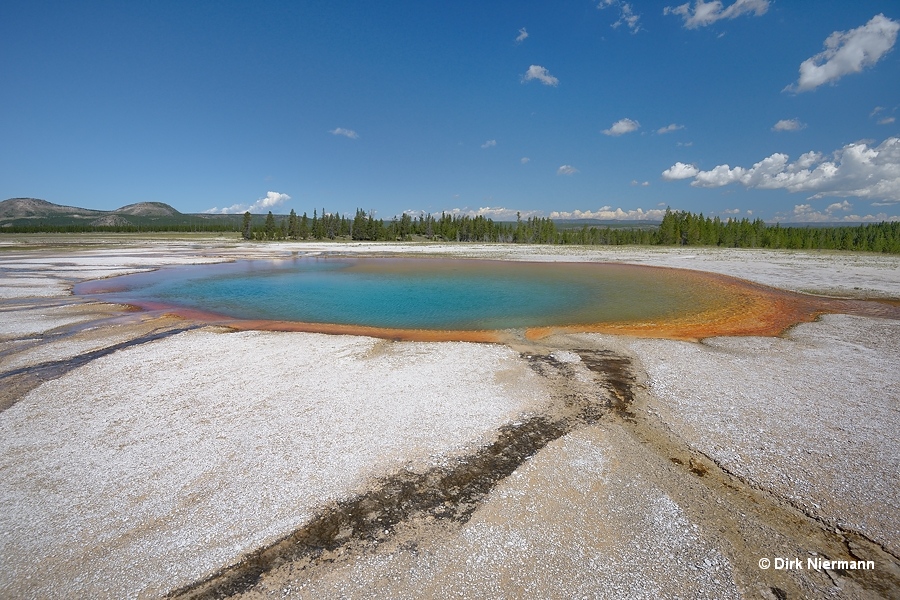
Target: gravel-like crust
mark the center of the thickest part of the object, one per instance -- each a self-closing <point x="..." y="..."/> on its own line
<point x="170" y="477"/>
<point x="817" y="421"/>
<point x="154" y="466"/>
<point x="579" y="520"/>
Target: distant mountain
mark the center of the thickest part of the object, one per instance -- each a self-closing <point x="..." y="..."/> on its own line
<point x="32" y="208"/>
<point x="148" y="209"/>
<point x="31" y="214"/>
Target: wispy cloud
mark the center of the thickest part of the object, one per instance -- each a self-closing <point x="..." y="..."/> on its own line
<point x="266" y="203"/>
<point x="566" y="170"/>
<point x="884" y="120"/>
<point x="636" y="183"/>
<point x="489" y="144"/>
<point x="540" y="74"/>
<point x="622" y="126"/>
<point x="522" y="35"/>
<point x="607" y="213"/>
<point x="847" y="52"/>
<point x="788" y="125"/>
<point x="669" y="129"/>
<point x="707" y="13"/>
<point x="626" y="14"/>
<point x="345" y="132"/>
<point x="524" y="160"/>
<point x="856" y="170"/>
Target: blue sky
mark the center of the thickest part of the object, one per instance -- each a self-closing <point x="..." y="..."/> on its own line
<point x="780" y="110"/>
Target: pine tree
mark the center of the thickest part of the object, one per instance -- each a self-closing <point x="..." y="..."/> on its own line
<point x="269" y="228"/>
<point x="246" y="225"/>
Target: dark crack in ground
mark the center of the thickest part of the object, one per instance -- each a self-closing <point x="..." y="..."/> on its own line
<point x="400" y="509"/>
<point x="15" y="383"/>
<point x="442" y="493"/>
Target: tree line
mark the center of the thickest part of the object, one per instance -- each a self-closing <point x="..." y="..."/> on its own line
<point x="677" y="228"/>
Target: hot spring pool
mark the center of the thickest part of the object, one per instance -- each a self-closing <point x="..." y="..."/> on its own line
<point x="431" y="294"/>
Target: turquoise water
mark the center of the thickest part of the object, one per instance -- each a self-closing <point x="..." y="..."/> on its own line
<point x="406" y="293"/>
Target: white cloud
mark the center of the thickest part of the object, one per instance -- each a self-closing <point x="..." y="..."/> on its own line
<point x="606" y="213"/>
<point x="847" y="52"/>
<point x="626" y="14"/>
<point x="345" y="132"/>
<point x="524" y="160"/>
<point x="271" y="200"/>
<point x="635" y="182"/>
<point x="522" y="35"/>
<point x="566" y="170"/>
<point x="731" y="211"/>
<point x="680" y="171"/>
<point x="886" y="121"/>
<point x="707" y="13"/>
<point x="855" y="171"/>
<point x="622" y="126"/>
<point x="788" y="125"/>
<point x="669" y="129"/>
<point x="541" y="74"/>
<point x="805" y="213"/>
<point x="489" y="144"/>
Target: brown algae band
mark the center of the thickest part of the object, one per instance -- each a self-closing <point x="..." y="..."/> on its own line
<point x="463" y="299"/>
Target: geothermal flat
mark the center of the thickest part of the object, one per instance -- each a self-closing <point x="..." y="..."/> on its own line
<point x="152" y="452"/>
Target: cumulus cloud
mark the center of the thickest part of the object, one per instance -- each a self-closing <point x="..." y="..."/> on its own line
<point x="566" y="170"/>
<point x="626" y="14"/>
<point x="834" y="213"/>
<point x="857" y="170"/>
<point x="271" y="200"/>
<point x="541" y="74"/>
<point x="489" y="144"/>
<point x="345" y="132"/>
<point x="680" y="171"/>
<point x="788" y="125"/>
<point x="606" y="213"/>
<point x="707" y="13"/>
<point x="669" y="128"/>
<point x="621" y="127"/>
<point x="522" y="35"/>
<point x="847" y="52"/>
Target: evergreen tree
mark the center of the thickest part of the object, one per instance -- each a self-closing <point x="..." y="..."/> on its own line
<point x="269" y="228"/>
<point x="246" y="225"/>
<point x="293" y="228"/>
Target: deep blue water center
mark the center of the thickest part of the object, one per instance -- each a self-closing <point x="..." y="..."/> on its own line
<point x="410" y="293"/>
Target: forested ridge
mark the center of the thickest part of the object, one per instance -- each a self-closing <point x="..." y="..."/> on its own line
<point x="677" y="228"/>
